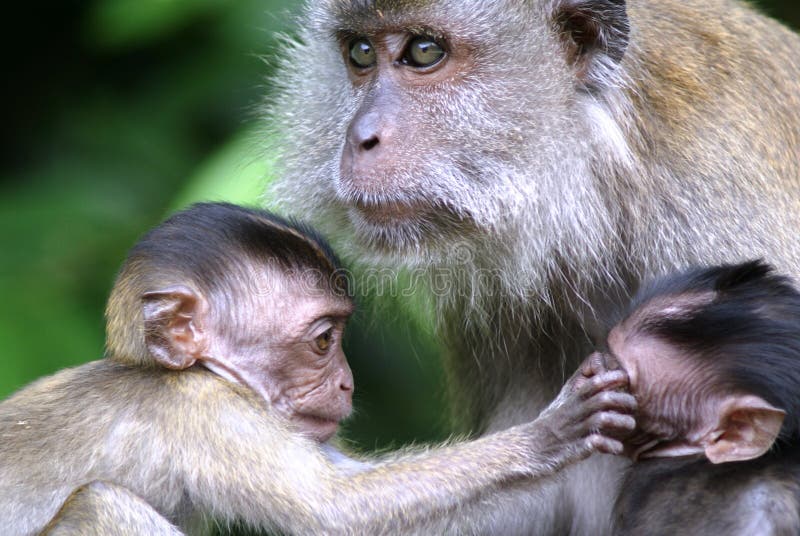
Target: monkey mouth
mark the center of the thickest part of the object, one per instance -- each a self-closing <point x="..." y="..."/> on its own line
<point x="319" y="428"/>
<point x="408" y="228"/>
<point x="388" y="213"/>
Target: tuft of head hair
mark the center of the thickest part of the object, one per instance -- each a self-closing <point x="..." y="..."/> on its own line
<point x="745" y="318"/>
<point x="204" y="248"/>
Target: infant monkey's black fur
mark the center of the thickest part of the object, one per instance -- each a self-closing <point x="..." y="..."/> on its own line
<point x="737" y="330"/>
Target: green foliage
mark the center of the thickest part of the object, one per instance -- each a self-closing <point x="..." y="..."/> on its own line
<point x="121" y="23"/>
<point x="229" y="175"/>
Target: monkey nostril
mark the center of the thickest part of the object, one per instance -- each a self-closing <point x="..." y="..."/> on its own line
<point x="370" y="143"/>
<point x="346" y="384"/>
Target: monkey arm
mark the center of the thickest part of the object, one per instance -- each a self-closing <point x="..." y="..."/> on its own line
<point x="269" y="477"/>
<point x="346" y="464"/>
<point x="190" y="442"/>
<point x="104" y="509"/>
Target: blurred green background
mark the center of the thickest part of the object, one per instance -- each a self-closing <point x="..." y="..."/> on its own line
<point x="117" y="112"/>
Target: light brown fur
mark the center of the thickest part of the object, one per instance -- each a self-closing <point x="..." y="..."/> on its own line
<point x="687" y="151"/>
<point x="191" y="443"/>
<point x="227" y="410"/>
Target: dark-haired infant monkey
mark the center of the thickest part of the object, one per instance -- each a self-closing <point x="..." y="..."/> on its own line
<point x="713" y="357"/>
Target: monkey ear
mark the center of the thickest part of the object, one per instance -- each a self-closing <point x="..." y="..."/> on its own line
<point x="596" y="34"/>
<point x="172" y="326"/>
<point x="747" y="428"/>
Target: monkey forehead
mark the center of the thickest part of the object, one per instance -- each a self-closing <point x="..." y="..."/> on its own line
<point x="269" y="280"/>
<point x="293" y="302"/>
<point x="662" y="374"/>
<point x="617" y="346"/>
<point x="646" y="359"/>
<point x="364" y="14"/>
<point x="310" y="282"/>
<point x="416" y="16"/>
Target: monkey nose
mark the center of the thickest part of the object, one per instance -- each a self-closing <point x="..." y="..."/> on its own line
<point x="364" y="133"/>
<point x="369" y="144"/>
<point x="346" y="382"/>
<point x="368" y="153"/>
<point x="347" y="385"/>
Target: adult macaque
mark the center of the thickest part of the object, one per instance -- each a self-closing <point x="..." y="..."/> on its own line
<point x="713" y="357"/>
<point x="548" y="155"/>
<point x="224" y="374"/>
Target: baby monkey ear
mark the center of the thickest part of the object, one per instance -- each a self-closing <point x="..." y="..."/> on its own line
<point x="748" y="426"/>
<point x="173" y="330"/>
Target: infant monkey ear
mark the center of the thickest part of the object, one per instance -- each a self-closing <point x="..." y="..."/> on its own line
<point x="739" y="428"/>
<point x="173" y="326"/>
<point x="747" y="427"/>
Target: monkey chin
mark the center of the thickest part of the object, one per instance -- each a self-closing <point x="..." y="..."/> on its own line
<point x="314" y="427"/>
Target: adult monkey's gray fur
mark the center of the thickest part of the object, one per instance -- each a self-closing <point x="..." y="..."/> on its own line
<point x="570" y="148"/>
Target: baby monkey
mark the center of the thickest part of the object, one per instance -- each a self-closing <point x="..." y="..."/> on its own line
<point x="713" y="358"/>
<point x="224" y="380"/>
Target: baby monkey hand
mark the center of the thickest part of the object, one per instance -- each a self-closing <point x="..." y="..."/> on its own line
<point x="592" y="413"/>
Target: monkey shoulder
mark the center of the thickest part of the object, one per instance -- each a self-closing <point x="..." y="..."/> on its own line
<point x="104" y="421"/>
<point x="229" y="420"/>
<point x="678" y="496"/>
<point x="56" y="396"/>
<point x="210" y="394"/>
<point x="120" y="407"/>
<point x="102" y="508"/>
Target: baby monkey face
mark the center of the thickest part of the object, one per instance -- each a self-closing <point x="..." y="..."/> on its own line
<point x="313" y="382"/>
<point x="288" y="349"/>
<point x="305" y="373"/>
<point x="667" y="388"/>
<point x="684" y="406"/>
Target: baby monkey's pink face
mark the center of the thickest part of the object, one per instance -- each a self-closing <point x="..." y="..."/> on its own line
<point x="288" y="349"/>
<point x="683" y="411"/>
<point x="664" y="384"/>
<point x="310" y="381"/>
<point x="274" y="330"/>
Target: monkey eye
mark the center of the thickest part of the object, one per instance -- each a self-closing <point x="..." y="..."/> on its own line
<point x="323" y="341"/>
<point x="362" y="53"/>
<point x="423" y="51"/>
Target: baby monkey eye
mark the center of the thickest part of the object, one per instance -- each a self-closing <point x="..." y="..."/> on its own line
<point x="423" y="51"/>
<point x="323" y="341"/>
<point x="362" y="53"/>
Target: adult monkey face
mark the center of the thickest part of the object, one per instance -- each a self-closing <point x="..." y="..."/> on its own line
<point x="387" y="159"/>
<point x="427" y="129"/>
<point x="395" y="69"/>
